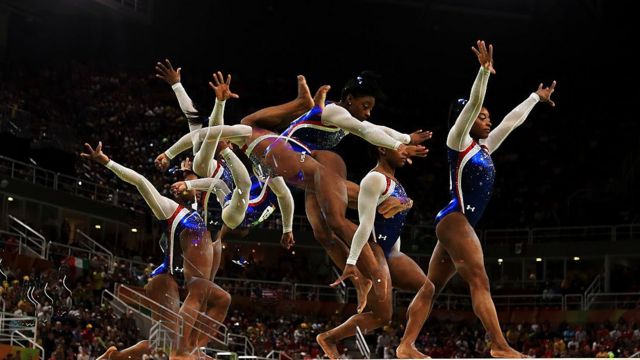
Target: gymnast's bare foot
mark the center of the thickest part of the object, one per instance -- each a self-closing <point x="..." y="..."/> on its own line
<point x="328" y="346"/>
<point x="404" y="351"/>
<point x="507" y="352"/>
<point x="363" y="286"/>
<point x="304" y="99"/>
<point x="321" y="95"/>
<point x="107" y="354"/>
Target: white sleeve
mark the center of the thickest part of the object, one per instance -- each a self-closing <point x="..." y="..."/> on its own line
<point x="216" y="117"/>
<point x="458" y="138"/>
<point x="236" y="133"/>
<point x="403" y="138"/>
<point x="285" y="202"/>
<point x="338" y="116"/>
<point x="185" y="142"/>
<point x="161" y="206"/>
<point x="371" y="187"/>
<point x="203" y="184"/>
<point x="186" y="104"/>
<point x="513" y="119"/>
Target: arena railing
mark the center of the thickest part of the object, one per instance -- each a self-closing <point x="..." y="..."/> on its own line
<point x="278" y="355"/>
<point x="602" y="233"/>
<point x="64" y="250"/>
<point x="33" y="240"/>
<point x="36" y="175"/>
<point x="244" y="345"/>
<point x="212" y="329"/>
<point x="21" y="245"/>
<point x="143" y="316"/>
<point x="594" y="288"/>
<point x="91" y="244"/>
<point x="130" y="263"/>
<point x="17" y="330"/>
<point x="31" y="173"/>
<point x="274" y="290"/>
<point x="17" y="338"/>
<point x="617" y="300"/>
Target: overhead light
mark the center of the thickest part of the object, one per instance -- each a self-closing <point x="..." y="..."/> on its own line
<point x="500" y="261"/>
<point x="576" y="258"/>
<point x="538" y="259"/>
<point x="9" y="198"/>
<point x="293" y="252"/>
<point x="134" y="230"/>
<point x="97" y="226"/>
<point x="79" y="183"/>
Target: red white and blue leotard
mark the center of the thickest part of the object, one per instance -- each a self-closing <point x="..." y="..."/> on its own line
<point x="471" y="169"/>
<point x="471" y="175"/>
<point x="322" y="128"/>
<point x="182" y="219"/>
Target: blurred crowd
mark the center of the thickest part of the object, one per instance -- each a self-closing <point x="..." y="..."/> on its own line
<point x="75" y="323"/>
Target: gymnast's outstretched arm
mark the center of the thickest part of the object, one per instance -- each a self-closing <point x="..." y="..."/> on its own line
<point x="237" y="134"/>
<point x="517" y="116"/>
<point x="458" y="138"/>
<point x="161" y="206"/>
<point x="372" y="187"/>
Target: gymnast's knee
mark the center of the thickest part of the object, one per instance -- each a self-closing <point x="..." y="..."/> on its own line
<point x="336" y="221"/>
<point x="198" y="286"/>
<point x="427" y="291"/>
<point x="223" y="297"/>
<point x="232" y="218"/>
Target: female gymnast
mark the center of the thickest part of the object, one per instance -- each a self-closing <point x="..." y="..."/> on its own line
<point x="471" y="143"/>
<point x="321" y="129"/>
<point x="230" y="170"/>
<point x="261" y="193"/>
<point x="272" y="157"/>
<point x="379" y="184"/>
<point x="188" y="234"/>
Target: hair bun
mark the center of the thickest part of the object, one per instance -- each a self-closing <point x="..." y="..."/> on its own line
<point x="367" y="82"/>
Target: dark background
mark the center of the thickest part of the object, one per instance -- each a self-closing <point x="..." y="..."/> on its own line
<point x="583" y="153"/>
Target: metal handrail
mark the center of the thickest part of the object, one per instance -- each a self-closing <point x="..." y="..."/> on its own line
<point x="123" y="306"/>
<point x="593" y="299"/>
<point x="27" y="227"/>
<point x="94" y="243"/>
<point x="537" y="235"/>
<point x="15" y="169"/>
<point x="281" y="355"/>
<point x="217" y="332"/>
<point x="34" y="344"/>
<point x="594" y="288"/>
<point x="247" y="348"/>
<point x="39" y="242"/>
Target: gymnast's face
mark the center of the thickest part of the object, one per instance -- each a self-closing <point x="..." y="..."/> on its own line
<point x="482" y="126"/>
<point x="360" y="107"/>
<point x="394" y="158"/>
